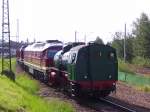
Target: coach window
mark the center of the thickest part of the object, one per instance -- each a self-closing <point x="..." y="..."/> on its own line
<point x="43" y="54"/>
<point x="38" y="55"/>
<point x="51" y="53"/>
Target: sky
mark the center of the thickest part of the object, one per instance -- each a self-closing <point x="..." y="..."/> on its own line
<point x="59" y="19"/>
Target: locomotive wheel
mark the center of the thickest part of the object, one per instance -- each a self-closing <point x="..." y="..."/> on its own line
<point x="45" y="79"/>
<point x="104" y="93"/>
<point x="73" y="90"/>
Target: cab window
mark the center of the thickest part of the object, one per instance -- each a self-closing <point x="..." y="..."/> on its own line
<point x="73" y="57"/>
<point x="51" y="53"/>
<point x="112" y="55"/>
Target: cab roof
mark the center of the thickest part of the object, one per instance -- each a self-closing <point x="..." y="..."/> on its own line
<point x="77" y="48"/>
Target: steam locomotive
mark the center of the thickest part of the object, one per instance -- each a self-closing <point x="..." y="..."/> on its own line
<point x="76" y="67"/>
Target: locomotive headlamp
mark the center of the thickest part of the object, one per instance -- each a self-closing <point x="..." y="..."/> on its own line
<point x="114" y="84"/>
<point x="66" y="75"/>
<point x="110" y="76"/>
<point x="85" y="77"/>
<point x="112" y="55"/>
<point x="100" y="54"/>
<point x="53" y="73"/>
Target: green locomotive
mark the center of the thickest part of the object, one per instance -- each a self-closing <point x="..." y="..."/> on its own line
<point x="90" y="69"/>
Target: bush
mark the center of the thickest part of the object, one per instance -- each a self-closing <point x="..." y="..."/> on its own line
<point x="124" y="67"/>
<point x="141" y="61"/>
<point x="145" y="88"/>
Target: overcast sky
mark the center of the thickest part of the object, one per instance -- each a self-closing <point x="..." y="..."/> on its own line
<point x="58" y="19"/>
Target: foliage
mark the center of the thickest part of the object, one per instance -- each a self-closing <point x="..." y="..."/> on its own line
<point x="19" y="98"/>
<point x="108" y="43"/>
<point x="137" y="43"/>
<point x="13" y="62"/>
<point x="118" y="44"/>
<point x="141" y="61"/>
<point x="129" y="47"/>
<point x="124" y="67"/>
<point x="145" y="88"/>
<point x="137" y="52"/>
<point x="24" y="82"/>
<point x="99" y="40"/>
<point x="141" y="32"/>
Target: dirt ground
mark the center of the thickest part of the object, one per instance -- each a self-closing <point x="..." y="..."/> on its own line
<point x="49" y="93"/>
<point x="132" y="96"/>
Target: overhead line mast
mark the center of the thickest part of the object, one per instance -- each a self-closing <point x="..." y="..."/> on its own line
<point x="6" y="47"/>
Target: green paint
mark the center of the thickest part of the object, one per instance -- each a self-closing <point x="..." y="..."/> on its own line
<point x="71" y="70"/>
<point x="95" y="64"/>
<point x="134" y="79"/>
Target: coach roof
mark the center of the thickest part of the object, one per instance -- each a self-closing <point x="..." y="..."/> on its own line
<point x="41" y="46"/>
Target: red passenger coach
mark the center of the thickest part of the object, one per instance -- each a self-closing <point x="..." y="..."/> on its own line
<point x="38" y="58"/>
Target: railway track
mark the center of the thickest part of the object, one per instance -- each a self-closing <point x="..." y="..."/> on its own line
<point x="118" y="106"/>
<point x="101" y="104"/>
<point x="105" y="105"/>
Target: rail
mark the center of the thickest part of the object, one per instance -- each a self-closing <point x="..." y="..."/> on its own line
<point x="117" y="105"/>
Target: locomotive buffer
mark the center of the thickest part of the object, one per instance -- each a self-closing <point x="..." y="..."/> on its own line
<point x="6" y="48"/>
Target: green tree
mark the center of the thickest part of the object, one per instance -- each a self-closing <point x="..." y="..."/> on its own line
<point x="117" y="43"/>
<point x="141" y="32"/>
<point x="129" y="47"/>
<point x="109" y="43"/>
<point x="99" y="40"/>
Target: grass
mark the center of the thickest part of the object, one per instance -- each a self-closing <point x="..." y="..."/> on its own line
<point x="20" y="96"/>
<point x="125" y="67"/>
<point x="127" y="74"/>
<point x="141" y="61"/>
<point x="139" y="82"/>
<point x="13" y="62"/>
<point x="24" y="82"/>
<point x="145" y="88"/>
<point x="131" y="68"/>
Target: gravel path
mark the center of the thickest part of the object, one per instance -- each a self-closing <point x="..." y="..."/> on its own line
<point x="132" y="96"/>
<point x="48" y="93"/>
